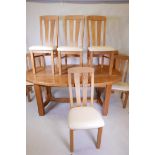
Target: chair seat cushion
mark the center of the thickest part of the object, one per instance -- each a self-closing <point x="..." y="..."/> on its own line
<point x="41" y="49"/>
<point x="69" y="49"/>
<point x="123" y="86"/>
<point x="85" y="118"/>
<point x="101" y="49"/>
<point x="29" y="83"/>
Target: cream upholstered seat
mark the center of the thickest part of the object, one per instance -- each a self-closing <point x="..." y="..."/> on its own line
<point x="100" y="49"/>
<point x="29" y="83"/>
<point x="68" y="48"/>
<point x="41" y="49"/>
<point x="83" y="115"/>
<point x="85" y="118"/>
<point x="123" y="86"/>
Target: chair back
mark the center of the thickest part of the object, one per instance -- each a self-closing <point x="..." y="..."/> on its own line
<point x="81" y="78"/>
<point x="96" y="30"/>
<point x="73" y="27"/>
<point x="122" y="65"/>
<point x="49" y="30"/>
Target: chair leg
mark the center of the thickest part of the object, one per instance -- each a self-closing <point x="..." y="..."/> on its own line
<point x="81" y="61"/>
<point x="52" y="63"/>
<point x="103" y="60"/>
<point x="91" y="59"/>
<point x="28" y="96"/>
<point x="71" y="140"/>
<point x="121" y="95"/>
<point x="31" y="89"/>
<point x="28" y="89"/>
<point x="39" y="61"/>
<point x="66" y="59"/>
<point x="99" y="92"/>
<point x="55" y="55"/>
<point x="112" y="91"/>
<point x="59" y="61"/>
<point x="33" y="63"/>
<point x="99" y="136"/>
<point x="43" y="61"/>
<point x="88" y="58"/>
<point x="111" y="63"/>
<point x="126" y="99"/>
<point x="98" y="61"/>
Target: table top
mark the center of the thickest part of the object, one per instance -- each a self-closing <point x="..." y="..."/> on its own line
<point x="44" y="76"/>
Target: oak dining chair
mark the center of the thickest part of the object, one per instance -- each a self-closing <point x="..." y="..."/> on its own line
<point x="73" y="28"/>
<point x="30" y="85"/>
<point x="48" y="42"/>
<point x="96" y="32"/>
<point x="82" y="114"/>
<point x="122" y="65"/>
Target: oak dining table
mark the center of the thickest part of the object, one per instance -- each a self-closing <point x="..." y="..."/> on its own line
<point x="43" y="77"/>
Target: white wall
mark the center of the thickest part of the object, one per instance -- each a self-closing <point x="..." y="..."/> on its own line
<point x="117" y="20"/>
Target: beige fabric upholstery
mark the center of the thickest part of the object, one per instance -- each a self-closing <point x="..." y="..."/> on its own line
<point x="29" y="83"/>
<point x="123" y="86"/>
<point x="100" y="49"/>
<point x="84" y="118"/>
<point x="67" y="49"/>
<point x="41" y="49"/>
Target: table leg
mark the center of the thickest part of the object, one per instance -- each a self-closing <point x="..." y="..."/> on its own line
<point x="39" y="99"/>
<point x="48" y="93"/>
<point x="99" y="91"/>
<point x="107" y="99"/>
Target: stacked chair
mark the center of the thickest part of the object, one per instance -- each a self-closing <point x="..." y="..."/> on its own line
<point x="122" y="65"/>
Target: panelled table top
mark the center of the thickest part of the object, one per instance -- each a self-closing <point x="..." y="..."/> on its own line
<point x="44" y="76"/>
